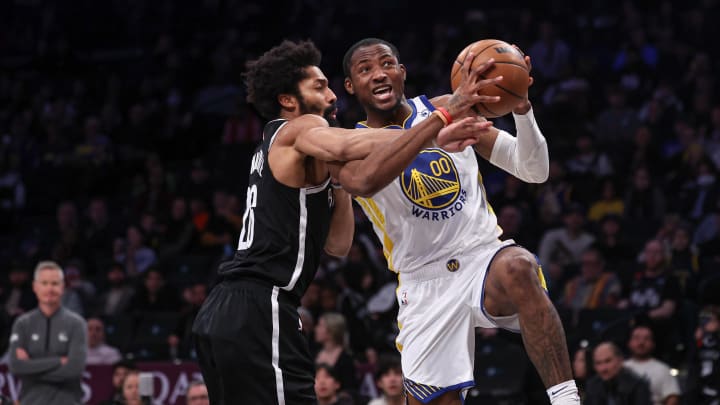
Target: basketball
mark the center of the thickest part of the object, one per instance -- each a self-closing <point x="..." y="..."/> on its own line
<point x="509" y="63"/>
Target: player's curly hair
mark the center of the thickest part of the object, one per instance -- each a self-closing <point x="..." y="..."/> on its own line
<point x="365" y="42"/>
<point x="278" y="71"/>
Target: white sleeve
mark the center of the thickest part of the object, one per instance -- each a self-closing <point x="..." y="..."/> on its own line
<point x="525" y="156"/>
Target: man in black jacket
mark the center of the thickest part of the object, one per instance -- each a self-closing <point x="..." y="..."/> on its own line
<point x="614" y="384"/>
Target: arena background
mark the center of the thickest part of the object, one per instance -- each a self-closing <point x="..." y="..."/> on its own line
<point x="125" y="139"/>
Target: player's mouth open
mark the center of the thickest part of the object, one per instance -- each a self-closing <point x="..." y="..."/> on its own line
<point x="382" y="92"/>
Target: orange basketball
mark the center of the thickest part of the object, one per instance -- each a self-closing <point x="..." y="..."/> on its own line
<point x="509" y="63"/>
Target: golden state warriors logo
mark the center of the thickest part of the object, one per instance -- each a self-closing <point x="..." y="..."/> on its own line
<point x="453" y="265"/>
<point x="432" y="184"/>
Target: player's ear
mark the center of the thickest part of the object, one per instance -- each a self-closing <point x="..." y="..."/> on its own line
<point x="287" y="101"/>
<point x="349" y="86"/>
<point x="404" y="71"/>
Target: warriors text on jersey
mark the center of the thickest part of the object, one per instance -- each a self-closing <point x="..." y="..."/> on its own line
<point x="284" y="228"/>
<point x="437" y="208"/>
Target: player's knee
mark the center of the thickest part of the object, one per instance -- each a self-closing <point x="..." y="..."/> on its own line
<point x="521" y="269"/>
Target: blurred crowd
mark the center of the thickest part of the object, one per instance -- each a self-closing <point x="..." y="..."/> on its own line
<point x="125" y="141"/>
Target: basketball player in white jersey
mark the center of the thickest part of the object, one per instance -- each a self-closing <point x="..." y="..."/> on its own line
<point x="250" y="349"/>
<point x="440" y="234"/>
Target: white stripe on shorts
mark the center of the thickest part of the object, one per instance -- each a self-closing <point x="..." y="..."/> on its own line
<point x="276" y="346"/>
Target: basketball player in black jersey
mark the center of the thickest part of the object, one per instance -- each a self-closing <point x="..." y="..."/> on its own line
<point x="247" y="333"/>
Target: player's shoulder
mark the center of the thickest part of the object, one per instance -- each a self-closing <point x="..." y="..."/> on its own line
<point x="298" y="126"/>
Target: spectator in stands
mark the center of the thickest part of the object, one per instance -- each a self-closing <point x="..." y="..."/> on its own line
<point x="561" y="248"/>
<point x="608" y="204"/>
<point x="389" y="379"/>
<point x="614" y="384"/>
<point x="580" y="368"/>
<point x="79" y="292"/>
<point x="197" y="394"/>
<point x="118" y="296"/>
<point x="154" y="295"/>
<point x="121" y="369"/>
<point x="328" y="387"/>
<point x="99" y="231"/>
<point x="615" y="246"/>
<point x="644" y="204"/>
<point x="130" y="390"/>
<point x="180" y="340"/>
<point x="586" y="167"/>
<point x="134" y="252"/>
<point x="65" y="241"/>
<point x="704" y="367"/>
<point x="331" y="334"/>
<point x="594" y="287"/>
<point x="664" y="387"/>
<point x="178" y="231"/>
<point x="654" y="296"/>
<point x="99" y="352"/>
<point x="18" y="297"/>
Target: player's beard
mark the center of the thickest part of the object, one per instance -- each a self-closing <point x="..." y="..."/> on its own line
<point x="326" y="113"/>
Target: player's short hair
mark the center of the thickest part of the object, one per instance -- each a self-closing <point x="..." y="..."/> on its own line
<point x="278" y="71"/>
<point x="362" y="43"/>
<point x="47" y="265"/>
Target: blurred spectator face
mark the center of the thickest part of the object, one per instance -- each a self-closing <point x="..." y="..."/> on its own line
<point x="591" y="265"/>
<point x="654" y="257"/>
<point x="328" y="299"/>
<point x="18" y="277"/>
<point x="130" y="389"/>
<point x="97" y="211"/>
<point x="321" y="331"/>
<point x="326" y="386"/>
<point x="607" y="363"/>
<point x="119" y="374"/>
<point x="198" y="294"/>
<point x="681" y="239"/>
<point x="391" y="383"/>
<point x="641" y="179"/>
<point x="641" y="343"/>
<point x="49" y="286"/>
<point x="610" y="226"/>
<point x="198" y="395"/>
<point x="579" y="365"/>
<point x="148" y="222"/>
<point x="179" y="209"/>
<point x="96" y="332"/>
<point x="134" y="236"/>
<point x="153" y="281"/>
<point x="66" y="215"/>
<point x="642" y="136"/>
<point x="573" y="220"/>
<point x="509" y="219"/>
<point x="116" y="276"/>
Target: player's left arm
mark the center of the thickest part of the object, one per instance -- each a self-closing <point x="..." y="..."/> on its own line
<point x="342" y="225"/>
<point x="525" y="156"/>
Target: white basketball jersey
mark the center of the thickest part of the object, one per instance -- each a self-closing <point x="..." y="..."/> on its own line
<point x="436" y="209"/>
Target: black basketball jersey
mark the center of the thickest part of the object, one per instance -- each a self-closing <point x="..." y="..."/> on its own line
<point x="284" y="228"/>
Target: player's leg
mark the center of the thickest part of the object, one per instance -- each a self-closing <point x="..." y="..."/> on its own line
<point x="212" y="380"/>
<point x="235" y="332"/>
<point x="296" y="366"/>
<point x="513" y="285"/>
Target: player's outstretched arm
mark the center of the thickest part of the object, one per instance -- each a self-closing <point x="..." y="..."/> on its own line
<point x="342" y="225"/>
